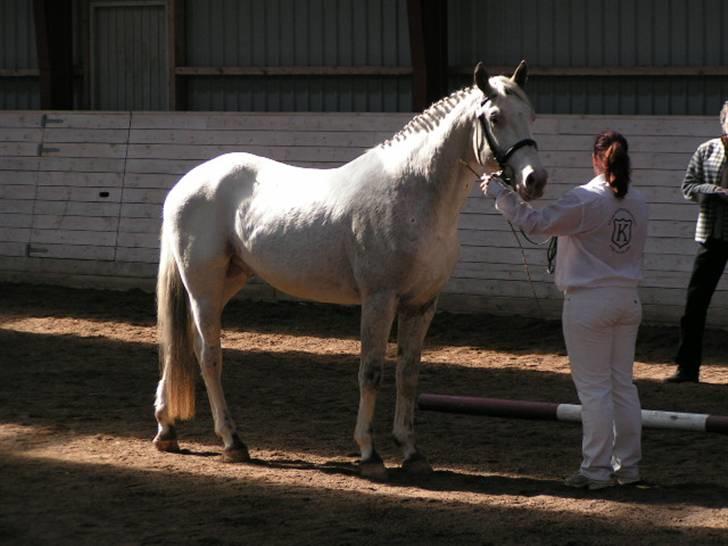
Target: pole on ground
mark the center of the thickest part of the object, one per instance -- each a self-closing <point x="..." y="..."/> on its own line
<point x="549" y="411"/>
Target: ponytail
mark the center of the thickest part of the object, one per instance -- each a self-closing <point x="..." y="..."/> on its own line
<point x="611" y="149"/>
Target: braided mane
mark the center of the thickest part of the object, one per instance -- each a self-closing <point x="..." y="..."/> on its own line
<point x="430" y="117"/>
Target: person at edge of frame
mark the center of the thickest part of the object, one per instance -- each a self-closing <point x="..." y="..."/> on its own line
<point x="602" y="229"/>
<point x="706" y="182"/>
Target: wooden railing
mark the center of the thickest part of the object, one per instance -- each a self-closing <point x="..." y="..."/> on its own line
<point x="81" y="195"/>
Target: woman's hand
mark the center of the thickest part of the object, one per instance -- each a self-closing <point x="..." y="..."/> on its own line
<point x="492" y="185"/>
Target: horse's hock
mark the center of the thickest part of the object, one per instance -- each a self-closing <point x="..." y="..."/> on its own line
<point x="81" y="193"/>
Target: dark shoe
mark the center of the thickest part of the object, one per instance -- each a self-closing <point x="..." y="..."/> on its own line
<point x="682" y="377"/>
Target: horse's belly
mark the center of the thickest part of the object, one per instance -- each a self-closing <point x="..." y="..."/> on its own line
<point x="311" y="285"/>
<point x="304" y="266"/>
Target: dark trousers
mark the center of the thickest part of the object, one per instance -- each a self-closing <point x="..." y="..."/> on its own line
<point x="710" y="262"/>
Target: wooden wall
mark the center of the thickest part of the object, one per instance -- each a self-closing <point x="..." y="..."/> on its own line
<point x="81" y="194"/>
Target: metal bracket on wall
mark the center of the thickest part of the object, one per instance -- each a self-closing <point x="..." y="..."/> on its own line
<point x="30" y="250"/>
<point x="45" y="120"/>
<point x="46" y="150"/>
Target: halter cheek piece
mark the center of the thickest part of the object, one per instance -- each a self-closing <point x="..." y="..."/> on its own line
<point x="502" y="157"/>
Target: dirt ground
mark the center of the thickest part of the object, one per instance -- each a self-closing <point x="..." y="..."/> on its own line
<point x="78" y="372"/>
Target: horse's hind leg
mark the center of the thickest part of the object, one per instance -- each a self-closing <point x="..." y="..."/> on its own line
<point x="207" y="298"/>
<point x="377" y="314"/>
<point x="411" y="330"/>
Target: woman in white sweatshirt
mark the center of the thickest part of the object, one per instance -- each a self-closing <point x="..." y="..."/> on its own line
<point x="601" y="228"/>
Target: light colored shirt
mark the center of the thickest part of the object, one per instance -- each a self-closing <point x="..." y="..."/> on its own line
<point x="601" y="238"/>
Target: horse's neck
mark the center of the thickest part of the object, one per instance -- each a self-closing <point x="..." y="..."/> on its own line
<point x="435" y="155"/>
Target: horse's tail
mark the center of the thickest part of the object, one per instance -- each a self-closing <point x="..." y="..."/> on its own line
<point x="177" y="364"/>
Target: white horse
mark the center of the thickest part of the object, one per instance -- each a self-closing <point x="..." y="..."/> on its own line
<point x="380" y="231"/>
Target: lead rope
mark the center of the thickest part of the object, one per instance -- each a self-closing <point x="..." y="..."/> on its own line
<point x="550" y="253"/>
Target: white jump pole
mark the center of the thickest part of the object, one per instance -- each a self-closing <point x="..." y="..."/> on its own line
<point x="526" y="409"/>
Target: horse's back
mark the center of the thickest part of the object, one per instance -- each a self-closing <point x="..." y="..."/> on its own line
<point x="286" y="224"/>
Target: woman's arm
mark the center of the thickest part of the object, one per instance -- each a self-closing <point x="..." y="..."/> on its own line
<point x="565" y="217"/>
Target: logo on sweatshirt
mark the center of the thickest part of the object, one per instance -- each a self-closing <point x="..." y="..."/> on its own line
<point x="622" y="222"/>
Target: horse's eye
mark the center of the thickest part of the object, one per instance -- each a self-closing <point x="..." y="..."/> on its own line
<point x="494" y="117"/>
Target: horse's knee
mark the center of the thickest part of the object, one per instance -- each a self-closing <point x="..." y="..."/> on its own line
<point x="210" y="360"/>
<point x="371" y="377"/>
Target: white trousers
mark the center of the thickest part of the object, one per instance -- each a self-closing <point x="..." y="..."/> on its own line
<point x="600" y="328"/>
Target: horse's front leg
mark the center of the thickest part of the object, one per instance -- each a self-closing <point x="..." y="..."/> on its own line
<point x="377" y="314"/>
<point x="411" y="330"/>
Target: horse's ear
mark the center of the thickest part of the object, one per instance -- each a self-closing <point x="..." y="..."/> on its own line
<point x="520" y="75"/>
<point x="482" y="79"/>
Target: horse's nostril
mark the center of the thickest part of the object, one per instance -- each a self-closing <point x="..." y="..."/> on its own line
<point x="530" y="181"/>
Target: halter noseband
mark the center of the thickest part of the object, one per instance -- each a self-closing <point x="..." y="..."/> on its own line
<point x="501" y="157"/>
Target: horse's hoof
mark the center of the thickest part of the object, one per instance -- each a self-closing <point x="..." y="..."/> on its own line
<point x="168" y="446"/>
<point x="373" y="468"/>
<point x="373" y="471"/>
<point x="417" y="465"/>
<point x="236" y="455"/>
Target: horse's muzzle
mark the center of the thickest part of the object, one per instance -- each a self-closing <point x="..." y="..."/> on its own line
<point x="534" y="184"/>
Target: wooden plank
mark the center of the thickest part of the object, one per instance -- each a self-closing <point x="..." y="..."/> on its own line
<point x="85" y="120"/>
<point x="72" y="208"/>
<point x="17" y="192"/>
<point x="505" y="306"/>
<point x="143" y="255"/>
<point x="16" y="206"/>
<point x="62" y="164"/>
<point x="271" y="121"/>
<point x="141" y="225"/>
<point x="17" y="177"/>
<point x="18" y="149"/>
<point x="150" y="181"/>
<point x="669" y="262"/>
<point x="21" y="119"/>
<point x="134" y="210"/>
<point x="139" y="240"/>
<point x="73" y="237"/>
<point x="177" y="167"/>
<point x="79" y="194"/>
<point x="14" y="234"/>
<point x="20" y="134"/>
<point x="12" y="248"/>
<point x="632" y="126"/>
<point x="279" y="153"/>
<point x="55" y="135"/>
<point x="76" y="223"/>
<point x="100" y="180"/>
<point x="638" y="143"/>
<point x="100" y="282"/>
<point x="145" y="196"/>
<point x="15" y="220"/>
<point x="346" y="139"/>
<point x="97" y="150"/>
<point x="73" y="252"/>
<point x="138" y="270"/>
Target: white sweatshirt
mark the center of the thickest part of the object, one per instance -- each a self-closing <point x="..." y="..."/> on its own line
<point x="601" y="238"/>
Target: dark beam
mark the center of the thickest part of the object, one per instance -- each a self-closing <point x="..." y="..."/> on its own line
<point x="177" y="49"/>
<point x="54" y="44"/>
<point x="272" y="71"/>
<point x="428" y="47"/>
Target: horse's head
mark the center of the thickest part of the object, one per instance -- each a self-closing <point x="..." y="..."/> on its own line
<point x="502" y="132"/>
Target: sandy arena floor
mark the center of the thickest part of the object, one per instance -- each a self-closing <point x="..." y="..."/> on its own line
<point x="78" y="371"/>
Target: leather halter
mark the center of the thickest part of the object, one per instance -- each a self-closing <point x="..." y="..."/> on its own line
<point x="502" y="157"/>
